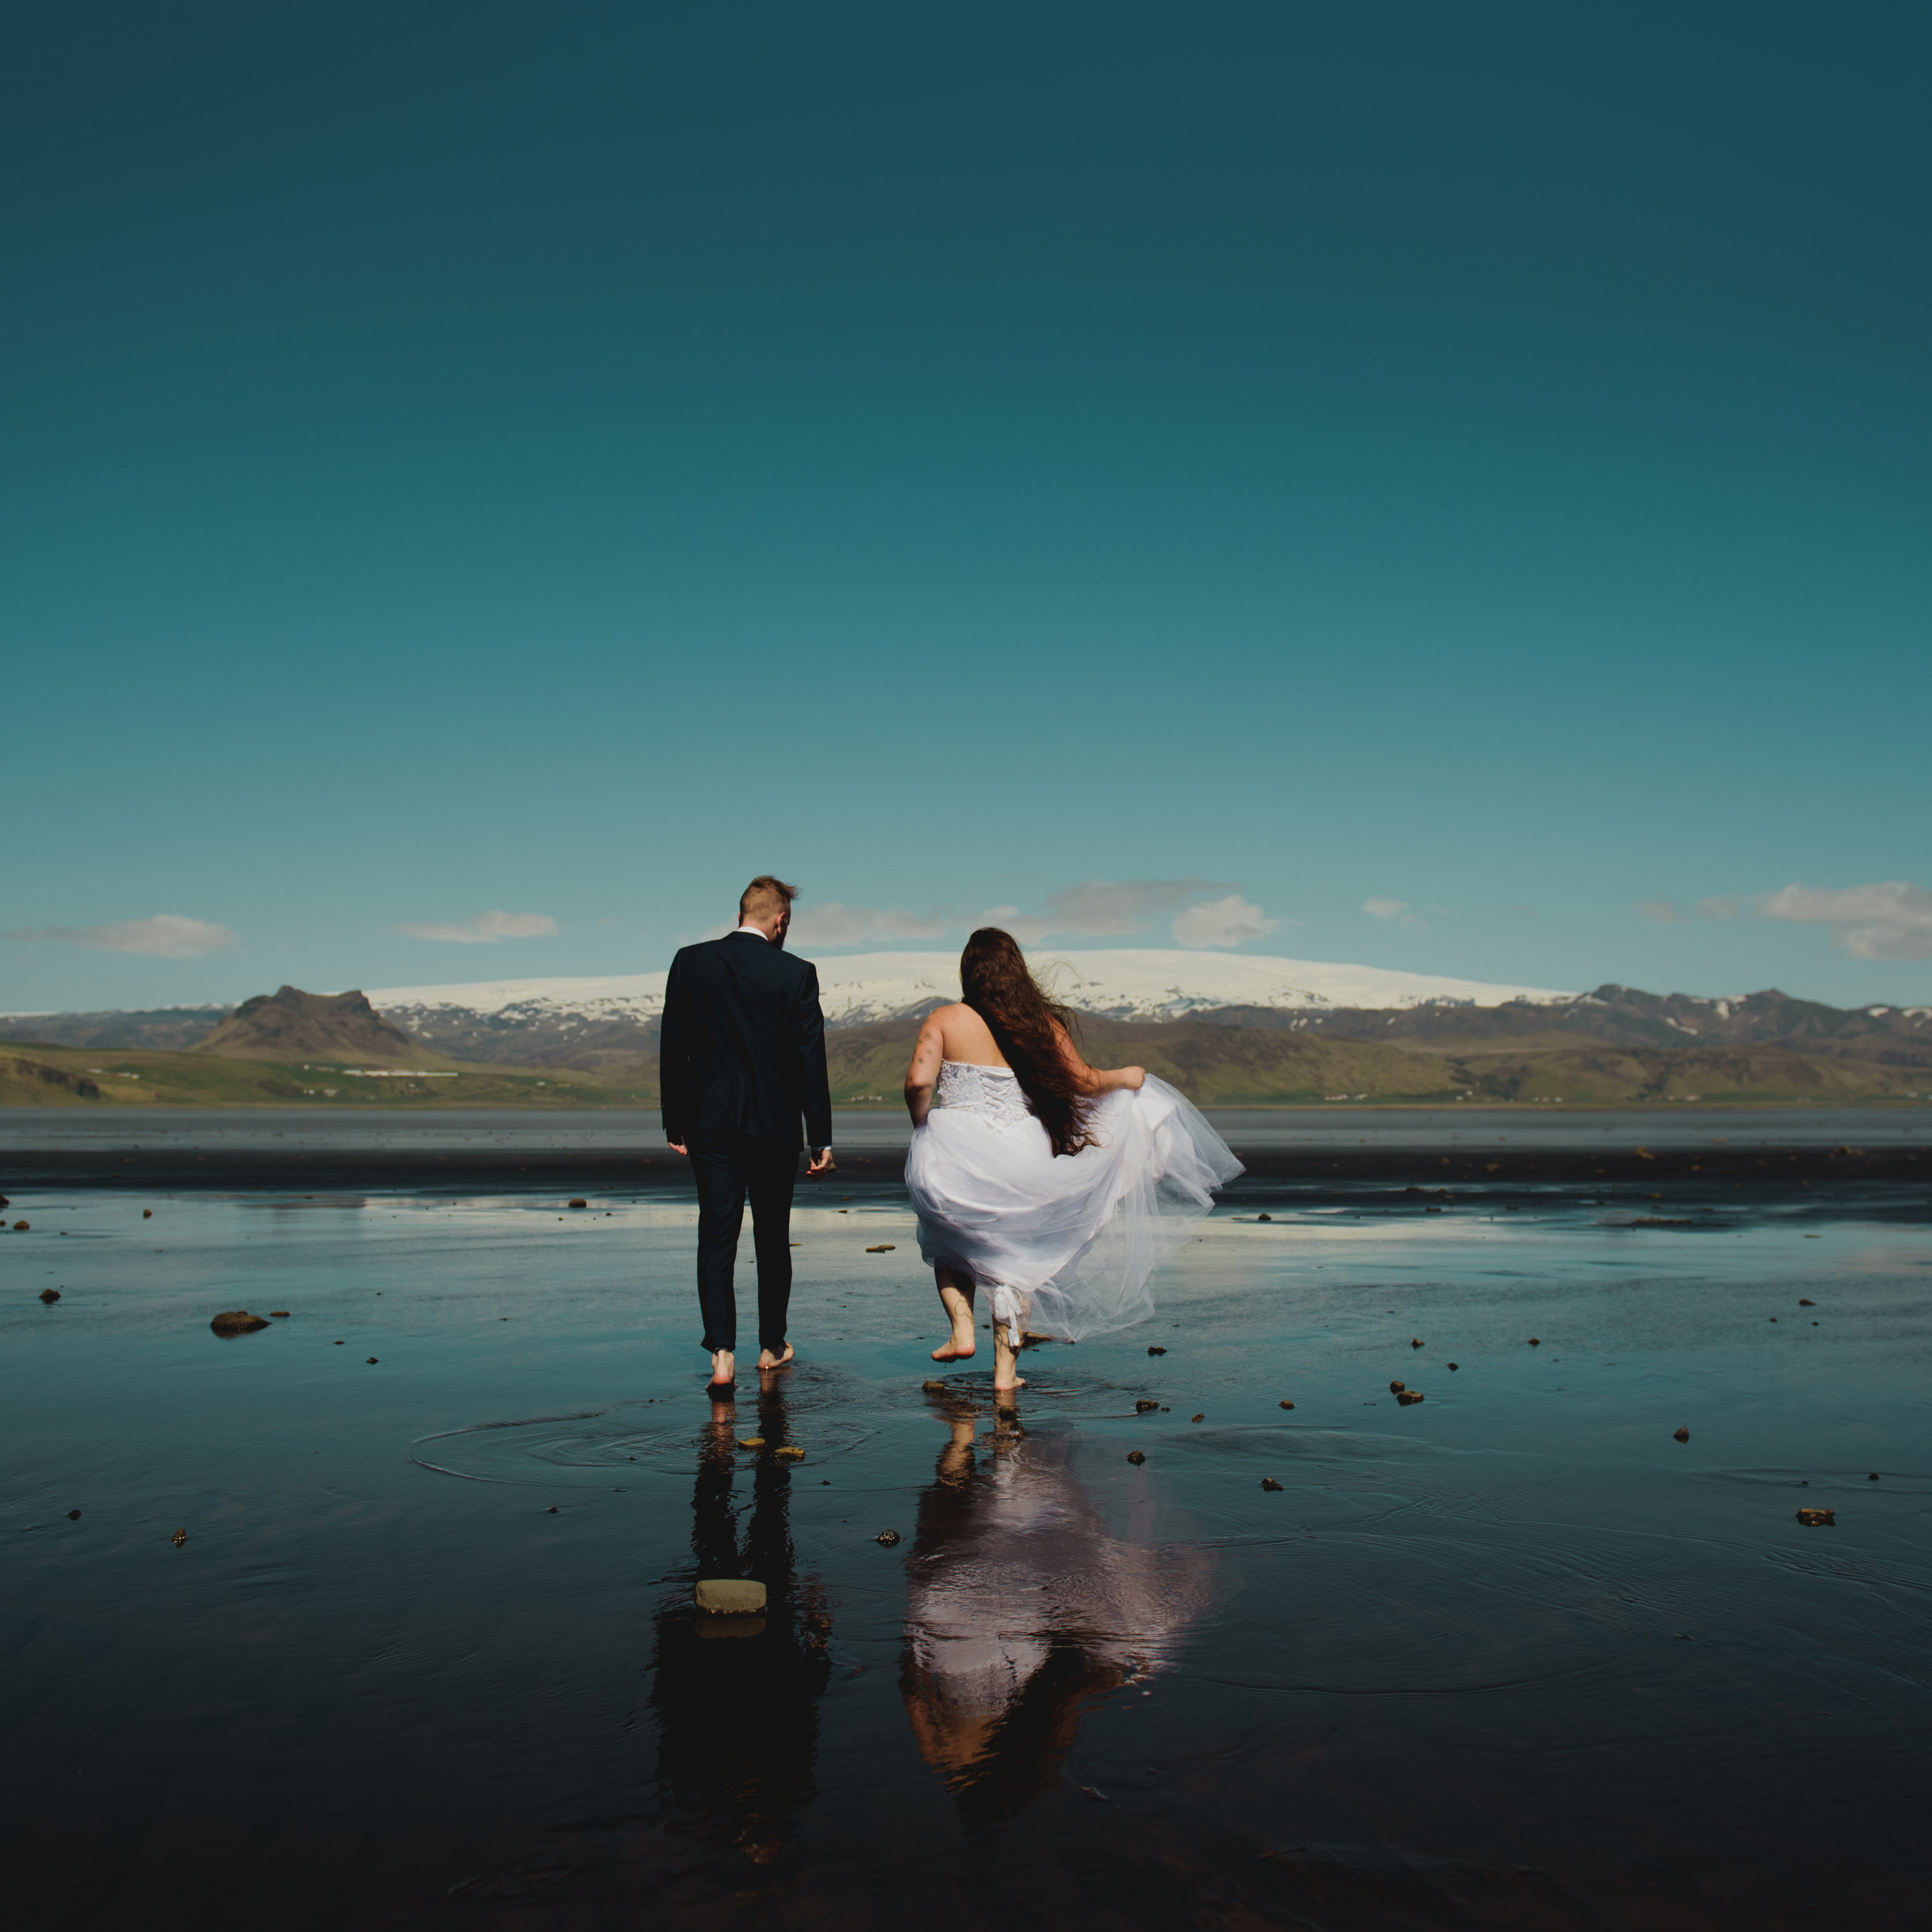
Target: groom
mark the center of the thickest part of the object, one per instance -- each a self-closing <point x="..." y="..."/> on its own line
<point x="743" y="1056"/>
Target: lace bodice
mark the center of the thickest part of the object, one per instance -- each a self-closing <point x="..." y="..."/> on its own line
<point x="992" y="1092"/>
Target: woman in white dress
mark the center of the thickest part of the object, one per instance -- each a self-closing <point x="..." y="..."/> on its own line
<point x="1058" y="1186"/>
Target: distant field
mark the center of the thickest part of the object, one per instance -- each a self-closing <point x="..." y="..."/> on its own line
<point x="1220" y="1065"/>
<point x="34" y="1076"/>
<point x="1215" y="1065"/>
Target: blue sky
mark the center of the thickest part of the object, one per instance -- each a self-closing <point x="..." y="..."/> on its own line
<point x="1424" y="484"/>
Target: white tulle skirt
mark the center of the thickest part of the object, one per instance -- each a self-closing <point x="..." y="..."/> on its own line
<point x="1067" y="1243"/>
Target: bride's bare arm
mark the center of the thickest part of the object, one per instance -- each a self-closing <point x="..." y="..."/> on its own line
<point x="923" y="1076"/>
<point x="1098" y="1079"/>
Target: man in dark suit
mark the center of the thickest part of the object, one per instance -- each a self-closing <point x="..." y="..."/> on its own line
<point x="742" y="1057"/>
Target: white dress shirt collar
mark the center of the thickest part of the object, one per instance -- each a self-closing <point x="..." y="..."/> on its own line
<point x="757" y="932"/>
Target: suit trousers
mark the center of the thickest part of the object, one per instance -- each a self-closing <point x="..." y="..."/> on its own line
<point x="728" y="1167"/>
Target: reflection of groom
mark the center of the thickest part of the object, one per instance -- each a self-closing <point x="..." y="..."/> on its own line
<point x="738" y="1721"/>
<point x="741" y="1056"/>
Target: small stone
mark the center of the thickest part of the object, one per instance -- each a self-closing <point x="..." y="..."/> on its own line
<point x="20" y="1227"/>
<point x="1681" y="1435"/>
<point x="73" y="1515"/>
<point x="237" y="1321"/>
<point x="1872" y="1478"/>
<point x="281" y="1315"/>
<point x="1805" y="1301"/>
<point x="1415" y="1344"/>
<point x="1287" y="1405"/>
<point x="1817" y="1518"/>
<point x="1409" y="1395"/>
<point x="934" y="1388"/>
<point x="1535" y="1342"/>
<point x="1396" y="1388"/>
<point x="178" y="1538"/>
<point x="551" y="1510"/>
<point x="50" y="1295"/>
<point x="341" y="1344"/>
<point x="1157" y="1352"/>
<point x="792" y="1453"/>
<point x="1201" y="1417"/>
<point x="1136" y="1455"/>
<point x="146" y="1214"/>
<point x="577" y="1200"/>
<point x="886" y="1538"/>
<point x="1264" y="1217"/>
<point x="751" y="1442"/>
<point x="730" y="1597"/>
<point x="1268" y="1482"/>
<point x="1455" y="1364"/>
<point x="884" y="1247"/>
<point x="1145" y="1407"/>
<point x="371" y="1362"/>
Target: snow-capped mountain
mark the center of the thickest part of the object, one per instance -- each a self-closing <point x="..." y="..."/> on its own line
<point x="1126" y="983"/>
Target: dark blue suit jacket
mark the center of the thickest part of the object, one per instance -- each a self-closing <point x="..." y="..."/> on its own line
<point x="742" y="1043"/>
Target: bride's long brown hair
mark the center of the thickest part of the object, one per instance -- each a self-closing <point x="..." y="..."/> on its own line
<point x="996" y="982"/>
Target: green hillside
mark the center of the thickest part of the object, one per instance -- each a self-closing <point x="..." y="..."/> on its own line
<point x="36" y="1076"/>
<point x="1215" y="1066"/>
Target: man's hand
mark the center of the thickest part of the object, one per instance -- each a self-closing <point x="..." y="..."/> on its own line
<point x="677" y="1146"/>
<point x="821" y="1163"/>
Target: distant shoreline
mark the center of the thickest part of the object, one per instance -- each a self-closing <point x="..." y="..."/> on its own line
<point x="612" y="1151"/>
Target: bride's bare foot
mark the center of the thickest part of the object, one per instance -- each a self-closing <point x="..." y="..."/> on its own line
<point x="956" y="1297"/>
<point x="1006" y="1375"/>
<point x="767" y="1360"/>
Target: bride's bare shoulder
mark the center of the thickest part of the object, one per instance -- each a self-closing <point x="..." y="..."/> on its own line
<point x="967" y="1036"/>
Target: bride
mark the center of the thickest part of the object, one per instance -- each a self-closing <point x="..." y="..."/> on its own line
<point x="1058" y="1186"/>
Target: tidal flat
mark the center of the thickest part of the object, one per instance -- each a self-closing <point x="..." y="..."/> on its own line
<point x="1513" y="1654"/>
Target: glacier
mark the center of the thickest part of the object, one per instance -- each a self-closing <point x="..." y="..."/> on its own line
<point x="1124" y="983"/>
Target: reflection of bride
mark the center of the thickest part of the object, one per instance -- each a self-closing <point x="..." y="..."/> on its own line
<point x="1022" y="1604"/>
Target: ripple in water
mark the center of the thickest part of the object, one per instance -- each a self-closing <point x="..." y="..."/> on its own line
<point x="633" y="1437"/>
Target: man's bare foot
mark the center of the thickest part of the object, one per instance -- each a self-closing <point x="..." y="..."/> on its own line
<point x="724" y="1368"/>
<point x="767" y="1360"/>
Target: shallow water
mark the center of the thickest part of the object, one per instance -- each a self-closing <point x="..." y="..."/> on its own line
<point x="1509" y="1656"/>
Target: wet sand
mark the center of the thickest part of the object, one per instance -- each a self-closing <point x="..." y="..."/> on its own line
<point x="1512" y="1655"/>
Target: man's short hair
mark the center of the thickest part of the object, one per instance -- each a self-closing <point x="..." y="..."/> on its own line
<point x="766" y="897"/>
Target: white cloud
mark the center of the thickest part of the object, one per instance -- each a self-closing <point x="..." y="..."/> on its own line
<point x="834" y="924"/>
<point x="1114" y="906"/>
<point x="1719" y="908"/>
<point x="486" y="929"/>
<point x="1889" y="921"/>
<point x="1124" y="905"/>
<point x="1111" y="906"/>
<point x="1232" y="921"/>
<point x="1398" y="909"/>
<point x="1662" y="911"/>
<point x="165" y="936"/>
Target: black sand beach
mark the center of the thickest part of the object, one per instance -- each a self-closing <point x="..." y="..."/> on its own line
<point x="1510" y="1655"/>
